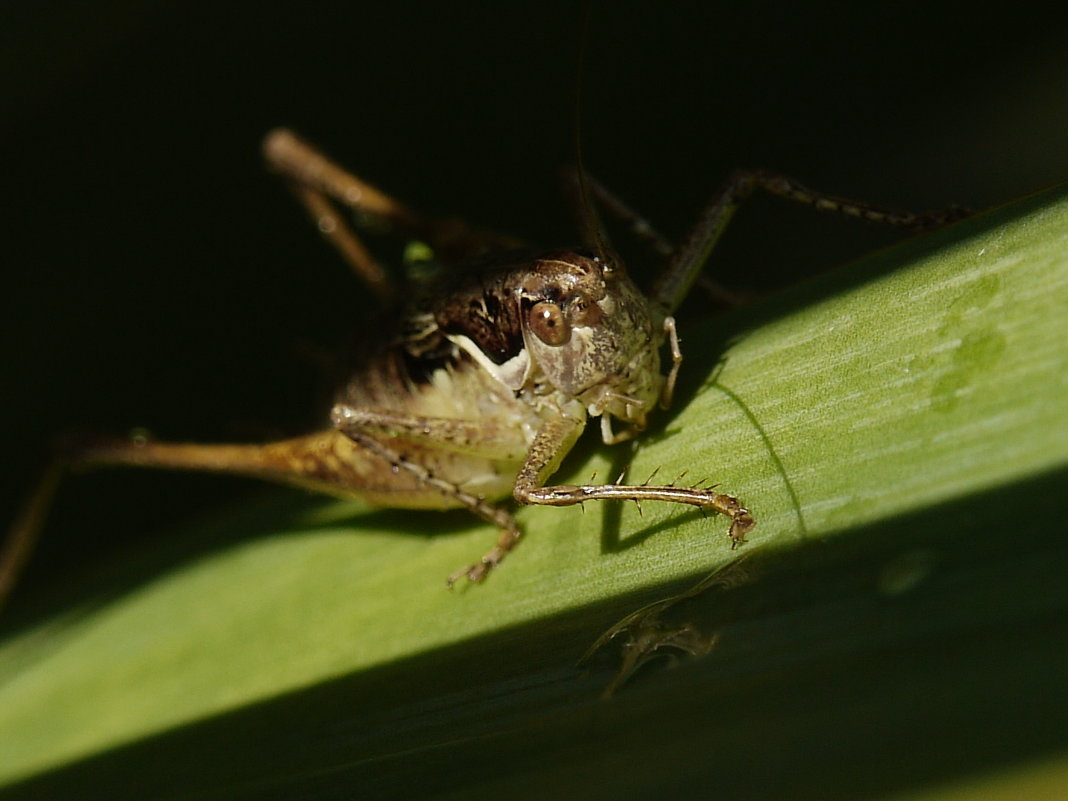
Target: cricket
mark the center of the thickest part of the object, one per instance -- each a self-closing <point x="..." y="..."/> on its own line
<point x="497" y="361"/>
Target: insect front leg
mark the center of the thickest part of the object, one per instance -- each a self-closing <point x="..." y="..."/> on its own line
<point x="556" y="437"/>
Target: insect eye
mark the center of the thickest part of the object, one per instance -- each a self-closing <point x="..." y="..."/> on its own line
<point x="547" y="321"/>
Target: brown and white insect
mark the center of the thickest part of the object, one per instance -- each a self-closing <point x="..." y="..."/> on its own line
<point x="491" y="373"/>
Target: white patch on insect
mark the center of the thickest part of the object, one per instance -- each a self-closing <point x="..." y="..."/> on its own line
<point x="513" y="373"/>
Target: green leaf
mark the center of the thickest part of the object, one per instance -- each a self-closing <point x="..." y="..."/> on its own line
<point x="899" y="430"/>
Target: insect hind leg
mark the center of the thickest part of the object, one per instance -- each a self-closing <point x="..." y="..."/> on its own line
<point x="321" y="461"/>
<point x="671" y="287"/>
<point x="509" y="529"/>
<point x="25" y="530"/>
<point x="319" y="183"/>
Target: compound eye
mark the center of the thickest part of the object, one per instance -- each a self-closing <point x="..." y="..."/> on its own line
<point x="547" y="321"/>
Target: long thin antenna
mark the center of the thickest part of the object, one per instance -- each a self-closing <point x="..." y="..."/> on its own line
<point x="593" y="230"/>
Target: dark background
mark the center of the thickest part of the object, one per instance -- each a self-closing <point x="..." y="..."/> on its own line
<point x="157" y="276"/>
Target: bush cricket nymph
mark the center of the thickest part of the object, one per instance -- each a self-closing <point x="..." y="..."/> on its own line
<point x="492" y="371"/>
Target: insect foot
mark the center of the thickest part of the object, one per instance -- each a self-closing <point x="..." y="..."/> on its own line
<point x="741" y="521"/>
<point x="477" y="572"/>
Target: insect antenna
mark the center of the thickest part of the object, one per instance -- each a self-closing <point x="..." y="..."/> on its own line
<point x="591" y="227"/>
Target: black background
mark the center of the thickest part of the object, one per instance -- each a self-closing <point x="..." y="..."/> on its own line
<point x="156" y="275"/>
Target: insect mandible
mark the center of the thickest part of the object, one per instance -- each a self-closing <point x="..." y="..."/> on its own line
<point x="492" y="371"/>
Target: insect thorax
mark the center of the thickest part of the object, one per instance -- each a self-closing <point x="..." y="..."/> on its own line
<point x="560" y="332"/>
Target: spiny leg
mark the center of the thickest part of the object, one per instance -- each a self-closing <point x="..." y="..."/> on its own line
<point x="324" y="461"/>
<point x="311" y="460"/>
<point x="25" y="529"/>
<point x="569" y="495"/>
<point x="509" y="529"/>
<point x="674" y="283"/>
<point x="486" y="438"/>
<point x="327" y="461"/>
<point x="554" y="439"/>
<point x="476" y="438"/>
